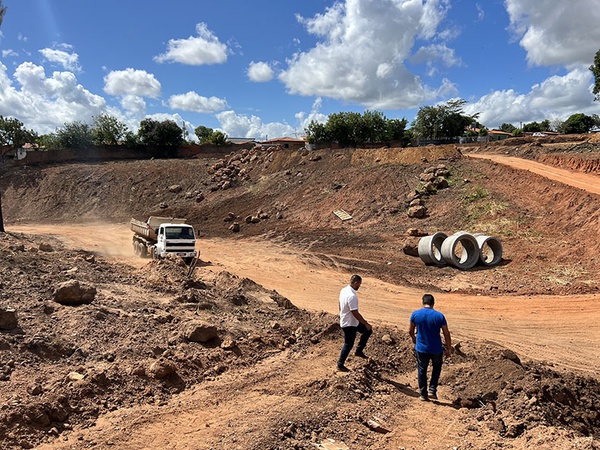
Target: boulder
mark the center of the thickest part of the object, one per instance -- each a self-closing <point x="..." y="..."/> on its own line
<point x="8" y="319"/>
<point x="74" y="293"/>
<point x="200" y="332"/>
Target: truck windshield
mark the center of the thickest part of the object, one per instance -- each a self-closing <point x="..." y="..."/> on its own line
<point x="179" y="233"/>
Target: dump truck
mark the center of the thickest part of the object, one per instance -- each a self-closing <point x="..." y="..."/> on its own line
<point x="160" y="236"/>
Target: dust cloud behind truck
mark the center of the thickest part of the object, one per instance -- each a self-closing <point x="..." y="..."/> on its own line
<point x="160" y="236"/>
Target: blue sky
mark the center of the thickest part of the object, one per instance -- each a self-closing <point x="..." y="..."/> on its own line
<point x="267" y="68"/>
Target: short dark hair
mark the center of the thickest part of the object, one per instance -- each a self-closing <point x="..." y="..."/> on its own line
<point x="355" y="278"/>
<point x="428" y="300"/>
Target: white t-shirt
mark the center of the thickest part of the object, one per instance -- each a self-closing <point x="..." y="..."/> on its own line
<point x="348" y="303"/>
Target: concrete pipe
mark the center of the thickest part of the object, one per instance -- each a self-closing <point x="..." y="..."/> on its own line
<point x="430" y="249"/>
<point x="461" y="250"/>
<point x="490" y="249"/>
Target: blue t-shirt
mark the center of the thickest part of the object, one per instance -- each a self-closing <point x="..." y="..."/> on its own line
<point x="428" y="322"/>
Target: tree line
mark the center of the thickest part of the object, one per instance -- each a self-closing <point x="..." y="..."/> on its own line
<point x="164" y="137"/>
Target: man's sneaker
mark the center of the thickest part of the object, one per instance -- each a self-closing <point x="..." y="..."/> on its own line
<point x="433" y="396"/>
<point x="342" y="368"/>
<point x="360" y="355"/>
<point x="423" y="398"/>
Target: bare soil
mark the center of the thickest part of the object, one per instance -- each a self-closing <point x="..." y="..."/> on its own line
<point x="124" y="372"/>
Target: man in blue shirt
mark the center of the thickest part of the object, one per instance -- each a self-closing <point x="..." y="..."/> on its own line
<point x="427" y="323"/>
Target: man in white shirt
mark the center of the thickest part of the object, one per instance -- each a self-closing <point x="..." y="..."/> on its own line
<point x="352" y="322"/>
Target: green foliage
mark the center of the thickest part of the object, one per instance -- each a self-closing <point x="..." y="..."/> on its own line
<point x="75" y="135"/>
<point x="207" y="135"/>
<point x="164" y="138"/>
<point x="2" y="12"/>
<point x="532" y="127"/>
<point x="444" y="121"/>
<point x="595" y="68"/>
<point x="350" y="129"/>
<point x="108" y="130"/>
<point x="579" y="123"/>
<point x="218" y="138"/>
<point x="478" y="194"/>
<point x="13" y="133"/>
<point x="48" y="141"/>
<point x="203" y="134"/>
<point x="508" y="128"/>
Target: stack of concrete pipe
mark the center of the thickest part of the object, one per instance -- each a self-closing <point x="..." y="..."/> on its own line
<point x="461" y="249"/>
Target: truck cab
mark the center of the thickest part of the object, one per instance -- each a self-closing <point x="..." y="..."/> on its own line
<point x="176" y="238"/>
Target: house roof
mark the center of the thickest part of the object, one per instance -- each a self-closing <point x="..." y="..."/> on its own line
<point x="285" y="139"/>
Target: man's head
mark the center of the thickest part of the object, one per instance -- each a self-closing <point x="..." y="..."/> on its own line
<point x="428" y="300"/>
<point x="355" y="282"/>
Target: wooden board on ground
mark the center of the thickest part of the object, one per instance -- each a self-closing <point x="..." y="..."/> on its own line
<point x="341" y="214"/>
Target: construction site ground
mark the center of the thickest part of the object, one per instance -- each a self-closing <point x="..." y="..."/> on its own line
<point x="124" y="372"/>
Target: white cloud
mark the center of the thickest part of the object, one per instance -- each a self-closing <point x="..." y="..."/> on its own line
<point x="69" y="61"/>
<point x="361" y="53"/>
<point x="134" y="106"/>
<point x="196" y="51"/>
<point x="237" y="125"/>
<point x="44" y="103"/>
<point x="194" y="102"/>
<point x="556" y="32"/>
<point x="8" y="53"/>
<point x="315" y="115"/>
<point x="558" y="97"/>
<point x="132" y="82"/>
<point x="260" y="72"/>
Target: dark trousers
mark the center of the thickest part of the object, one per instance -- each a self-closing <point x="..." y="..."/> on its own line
<point x="436" y="369"/>
<point x="350" y="337"/>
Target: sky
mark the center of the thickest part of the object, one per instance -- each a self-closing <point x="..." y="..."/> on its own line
<point x="265" y="69"/>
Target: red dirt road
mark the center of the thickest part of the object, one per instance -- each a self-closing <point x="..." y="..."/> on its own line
<point x="542" y="328"/>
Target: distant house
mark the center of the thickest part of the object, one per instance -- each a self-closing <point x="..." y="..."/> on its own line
<point x="285" y="143"/>
<point x="498" y="135"/>
<point x="244" y="140"/>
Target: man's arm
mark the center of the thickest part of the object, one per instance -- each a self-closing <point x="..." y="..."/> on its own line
<point x="361" y="319"/>
<point x="447" y="340"/>
<point x="411" y="332"/>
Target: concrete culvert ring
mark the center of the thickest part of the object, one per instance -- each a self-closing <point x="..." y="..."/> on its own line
<point x="461" y="250"/>
<point x="430" y="249"/>
<point x="490" y="249"/>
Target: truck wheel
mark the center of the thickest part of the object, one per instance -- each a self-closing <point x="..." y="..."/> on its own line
<point x="143" y="251"/>
<point x="135" y="248"/>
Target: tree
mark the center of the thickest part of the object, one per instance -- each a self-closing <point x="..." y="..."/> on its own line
<point x="2" y="12"/>
<point x="14" y="135"/>
<point x="595" y="68"/>
<point x="316" y="133"/>
<point x="532" y="127"/>
<point x="164" y="138"/>
<point x="578" y="123"/>
<point x="108" y="130"/>
<point x="218" y="138"/>
<point x="75" y="134"/>
<point x="508" y="128"/>
<point x="203" y="134"/>
<point x="444" y="121"/>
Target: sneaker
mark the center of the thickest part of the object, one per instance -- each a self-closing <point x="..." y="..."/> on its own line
<point x="433" y="396"/>
<point x="361" y="355"/>
<point x="342" y="368"/>
<point x="423" y="398"/>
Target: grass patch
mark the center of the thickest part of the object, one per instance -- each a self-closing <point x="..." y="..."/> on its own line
<point x="563" y="275"/>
